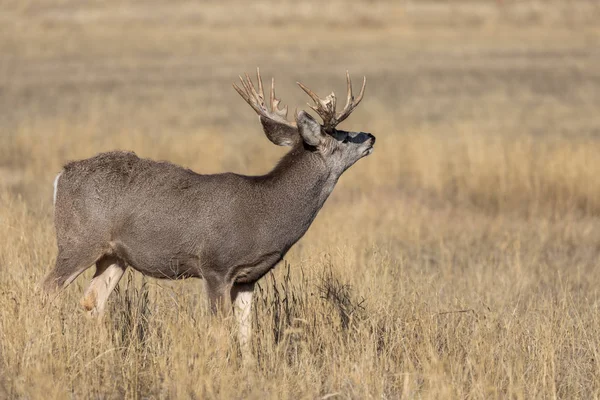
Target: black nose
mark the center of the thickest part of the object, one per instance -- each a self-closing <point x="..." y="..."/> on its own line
<point x="372" y="138"/>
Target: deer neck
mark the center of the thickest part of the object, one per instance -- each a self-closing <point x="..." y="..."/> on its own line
<point x="301" y="183"/>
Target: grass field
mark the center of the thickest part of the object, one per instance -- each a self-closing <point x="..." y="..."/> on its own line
<point x="460" y="260"/>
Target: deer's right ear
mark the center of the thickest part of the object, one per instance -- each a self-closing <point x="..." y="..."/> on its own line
<point x="280" y="134"/>
<point x="309" y="129"/>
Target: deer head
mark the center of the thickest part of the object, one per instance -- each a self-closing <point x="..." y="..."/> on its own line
<point x="339" y="149"/>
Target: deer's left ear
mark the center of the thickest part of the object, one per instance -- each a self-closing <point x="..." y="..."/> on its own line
<point x="309" y="129"/>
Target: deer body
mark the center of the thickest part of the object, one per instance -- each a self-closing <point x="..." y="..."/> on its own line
<point x="116" y="210"/>
<point x="169" y="222"/>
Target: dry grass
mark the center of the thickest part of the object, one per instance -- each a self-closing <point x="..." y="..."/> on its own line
<point x="460" y="260"/>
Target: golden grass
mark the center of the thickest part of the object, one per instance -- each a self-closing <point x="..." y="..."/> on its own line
<point x="460" y="260"/>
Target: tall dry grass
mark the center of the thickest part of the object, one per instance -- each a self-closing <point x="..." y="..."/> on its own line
<point x="470" y="270"/>
<point x="460" y="260"/>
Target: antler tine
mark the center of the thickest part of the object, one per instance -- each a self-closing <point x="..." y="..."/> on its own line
<point x="256" y="99"/>
<point x="349" y="88"/>
<point x="309" y="92"/>
<point x="351" y="103"/>
<point x="253" y="89"/>
<point x="240" y="91"/>
<point x="272" y="97"/>
<point x="275" y="102"/>
<point x="325" y="108"/>
<point x="362" y="91"/>
<point x="244" y="93"/>
<point x="261" y="93"/>
<point x="245" y="86"/>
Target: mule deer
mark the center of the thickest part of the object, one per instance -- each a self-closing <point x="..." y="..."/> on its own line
<point x="116" y="210"/>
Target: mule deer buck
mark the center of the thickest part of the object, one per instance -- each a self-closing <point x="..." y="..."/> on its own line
<point x="116" y="210"/>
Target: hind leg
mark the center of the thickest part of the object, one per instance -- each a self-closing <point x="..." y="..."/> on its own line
<point x="109" y="271"/>
<point x="219" y="297"/>
<point x="69" y="265"/>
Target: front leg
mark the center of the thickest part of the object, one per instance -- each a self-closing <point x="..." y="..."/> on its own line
<point x="241" y="297"/>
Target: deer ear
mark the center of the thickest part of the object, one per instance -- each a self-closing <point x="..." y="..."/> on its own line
<point x="280" y="134"/>
<point x="309" y="129"/>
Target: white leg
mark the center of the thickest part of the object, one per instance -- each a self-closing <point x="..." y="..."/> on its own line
<point x="242" y="305"/>
<point x="108" y="274"/>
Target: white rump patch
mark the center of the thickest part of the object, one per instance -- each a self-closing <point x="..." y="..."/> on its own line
<point x="56" y="187"/>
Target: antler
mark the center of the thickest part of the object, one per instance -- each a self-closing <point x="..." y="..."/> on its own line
<point x="256" y="100"/>
<point x="326" y="107"/>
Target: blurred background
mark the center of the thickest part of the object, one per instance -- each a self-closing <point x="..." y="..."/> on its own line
<point x="468" y="242"/>
<point x="92" y="75"/>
